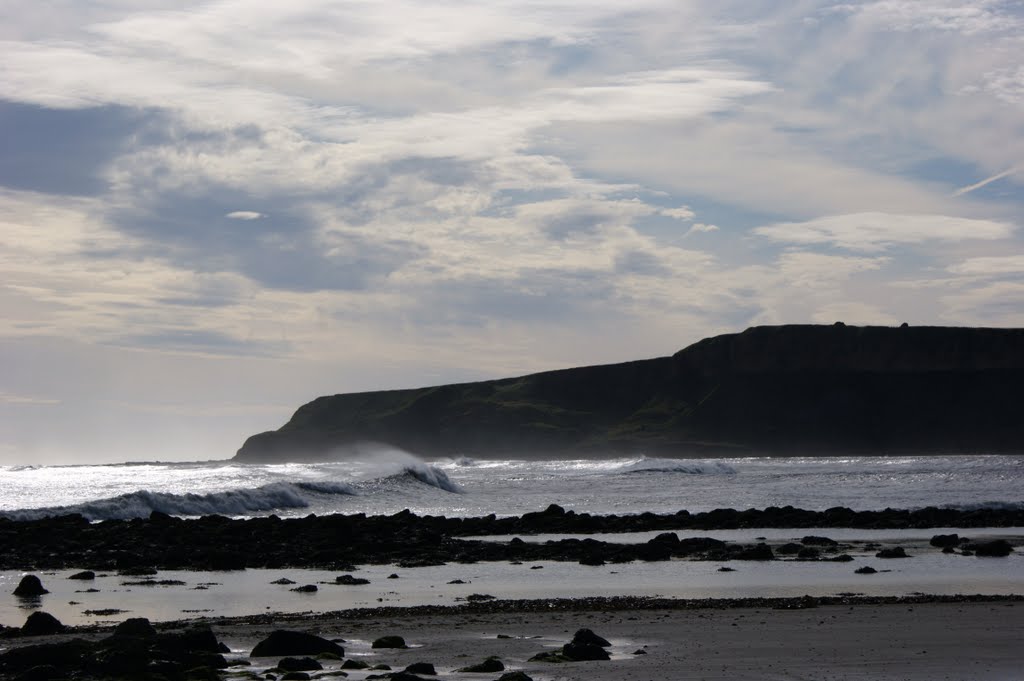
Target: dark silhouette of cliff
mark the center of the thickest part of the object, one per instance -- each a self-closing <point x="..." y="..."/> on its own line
<point x="768" y="390"/>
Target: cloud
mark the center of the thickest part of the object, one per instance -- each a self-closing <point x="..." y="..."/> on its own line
<point x="990" y="266"/>
<point x="7" y="398"/>
<point x="699" y="227"/>
<point x="683" y="213"/>
<point x="245" y="215"/>
<point x="879" y="231"/>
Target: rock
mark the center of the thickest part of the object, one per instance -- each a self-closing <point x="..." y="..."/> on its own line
<point x="726" y="569"/>
<point x="389" y="642"/>
<point x="478" y="598"/>
<point x="296" y="676"/>
<point x="553" y="656"/>
<point x="42" y="624"/>
<point x="282" y="643"/>
<point x="894" y="552"/>
<point x="456" y="581"/>
<point x="998" y="548"/>
<point x="491" y="664"/>
<point x="514" y="676"/>
<point x="790" y="548"/>
<point x="84" y="575"/>
<point x="299" y="664"/>
<point x="808" y="553"/>
<point x="349" y="580"/>
<point x="812" y="540"/>
<point x="592" y="561"/>
<point x="306" y="589"/>
<point x="943" y="541"/>
<point x="758" y="552"/>
<point x="137" y="571"/>
<point x="588" y="637"/>
<point x="866" y="570"/>
<point x="30" y="587"/>
<point x="421" y="668"/>
<point x="584" y="652"/>
<point x="283" y="581"/>
<point x="137" y="627"/>
<point x="355" y="664"/>
<point x="640" y="651"/>
<point x="392" y="576"/>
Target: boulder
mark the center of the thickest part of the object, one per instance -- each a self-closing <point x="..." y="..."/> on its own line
<point x="998" y="548"/>
<point x="306" y="589"/>
<point x="866" y="570"/>
<point x="894" y="552"/>
<point x="42" y="624"/>
<point x="584" y="652"/>
<point x="491" y="664"/>
<point x="137" y="627"/>
<point x="588" y="637"/>
<point x="299" y="664"/>
<point x="389" y="642"/>
<point x="355" y="664"/>
<point x="758" y="552"/>
<point x="421" y="668"/>
<point x="296" y="676"/>
<point x="283" y="643"/>
<point x="514" y="676"/>
<point x="349" y="580"/>
<point x="86" y="575"/>
<point x="812" y="540"/>
<point x="942" y="541"/>
<point x="30" y="587"/>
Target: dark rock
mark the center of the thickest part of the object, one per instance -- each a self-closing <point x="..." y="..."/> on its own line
<point x="893" y="552"/>
<point x="349" y="580"/>
<point x="389" y="642"/>
<point x="421" y="668"/>
<point x="491" y="664"/>
<point x="588" y="637"/>
<point x="283" y="581"/>
<point x="592" y="561"/>
<point x="306" y="589"/>
<point x="283" y="643"/>
<point x="479" y="598"/>
<point x="841" y="558"/>
<point x="808" y="553"/>
<point x="456" y="581"/>
<point x="790" y="548"/>
<point x="943" y="541"/>
<point x="84" y="575"/>
<point x="726" y="569"/>
<point x="42" y="624"/>
<point x="355" y="664"/>
<point x="552" y="656"/>
<point x="296" y="676"/>
<point x="640" y="651"/>
<point x="30" y="587"/>
<point x="866" y="570"/>
<point x="392" y="576"/>
<point x="137" y="627"/>
<point x="584" y="652"/>
<point x="759" y="552"/>
<point x="998" y="548"/>
<point x="812" y="540"/>
<point x="299" y="664"/>
<point x="514" y="676"/>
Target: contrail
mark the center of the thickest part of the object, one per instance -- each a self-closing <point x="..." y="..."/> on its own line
<point x="987" y="180"/>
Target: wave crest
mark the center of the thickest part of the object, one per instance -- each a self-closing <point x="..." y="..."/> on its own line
<point x="431" y="475"/>
<point x="274" y="496"/>
<point x="689" y="467"/>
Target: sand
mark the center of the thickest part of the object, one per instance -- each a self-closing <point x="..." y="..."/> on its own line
<point x="931" y="641"/>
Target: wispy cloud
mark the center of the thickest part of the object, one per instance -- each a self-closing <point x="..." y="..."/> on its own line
<point x="988" y="180"/>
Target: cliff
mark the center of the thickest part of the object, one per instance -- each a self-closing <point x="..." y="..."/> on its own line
<point x="768" y="390"/>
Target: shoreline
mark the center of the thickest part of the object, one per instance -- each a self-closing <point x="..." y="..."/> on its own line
<point x="408" y="540"/>
<point x="913" y="638"/>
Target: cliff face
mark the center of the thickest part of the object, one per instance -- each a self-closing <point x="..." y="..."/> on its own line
<point x="767" y="390"/>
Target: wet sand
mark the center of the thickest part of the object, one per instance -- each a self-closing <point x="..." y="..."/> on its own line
<point x="932" y="641"/>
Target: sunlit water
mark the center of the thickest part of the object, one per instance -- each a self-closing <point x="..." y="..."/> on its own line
<point x="389" y="481"/>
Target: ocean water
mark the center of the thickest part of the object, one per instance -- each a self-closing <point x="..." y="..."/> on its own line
<point x="386" y="481"/>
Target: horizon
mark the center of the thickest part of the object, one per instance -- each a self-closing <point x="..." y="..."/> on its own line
<point x="211" y="216"/>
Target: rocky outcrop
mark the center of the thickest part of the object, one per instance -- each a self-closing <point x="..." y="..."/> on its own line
<point x="783" y="389"/>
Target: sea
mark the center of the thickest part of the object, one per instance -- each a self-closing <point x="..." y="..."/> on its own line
<point x="385" y="481"/>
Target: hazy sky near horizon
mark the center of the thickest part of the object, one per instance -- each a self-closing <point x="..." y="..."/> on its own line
<point x="211" y="215"/>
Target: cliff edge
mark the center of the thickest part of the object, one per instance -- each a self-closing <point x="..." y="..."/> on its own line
<point x="770" y="390"/>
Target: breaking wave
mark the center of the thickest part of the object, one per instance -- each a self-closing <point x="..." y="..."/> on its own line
<point x="430" y="475"/>
<point x="646" y="465"/>
<point x="271" y="497"/>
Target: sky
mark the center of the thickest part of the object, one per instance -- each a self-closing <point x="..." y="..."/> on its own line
<point x="211" y="215"/>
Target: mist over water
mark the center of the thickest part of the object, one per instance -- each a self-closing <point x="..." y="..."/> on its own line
<point x="385" y="480"/>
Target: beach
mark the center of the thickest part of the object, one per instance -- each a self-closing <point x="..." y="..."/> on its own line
<point x="781" y="639"/>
